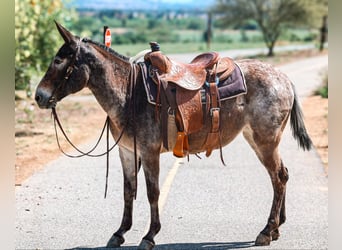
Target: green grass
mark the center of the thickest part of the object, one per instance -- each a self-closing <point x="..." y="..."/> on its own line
<point x="323" y="91"/>
<point x="192" y="41"/>
<point x="176" y="48"/>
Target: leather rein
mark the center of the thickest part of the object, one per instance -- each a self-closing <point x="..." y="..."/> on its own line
<point x="131" y="108"/>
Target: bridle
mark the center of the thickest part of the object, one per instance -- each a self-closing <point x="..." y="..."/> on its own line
<point x="72" y="65"/>
<point x="70" y="69"/>
<point x="132" y="83"/>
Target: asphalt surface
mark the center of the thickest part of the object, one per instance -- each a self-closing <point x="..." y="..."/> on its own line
<point x="203" y="204"/>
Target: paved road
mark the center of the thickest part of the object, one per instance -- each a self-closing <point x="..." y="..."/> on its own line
<point x="204" y="205"/>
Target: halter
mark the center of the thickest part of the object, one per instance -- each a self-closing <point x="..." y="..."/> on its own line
<point x="72" y="65"/>
<point x="70" y="69"/>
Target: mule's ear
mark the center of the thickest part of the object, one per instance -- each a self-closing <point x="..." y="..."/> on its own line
<point x="67" y="36"/>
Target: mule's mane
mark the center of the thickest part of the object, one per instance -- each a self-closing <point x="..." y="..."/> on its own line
<point x="107" y="49"/>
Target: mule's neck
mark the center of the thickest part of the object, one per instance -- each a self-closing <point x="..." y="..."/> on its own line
<point x="109" y="79"/>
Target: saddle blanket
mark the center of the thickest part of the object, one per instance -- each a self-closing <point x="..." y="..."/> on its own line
<point x="234" y="85"/>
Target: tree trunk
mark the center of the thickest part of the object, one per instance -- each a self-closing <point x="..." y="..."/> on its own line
<point x="270" y="50"/>
<point x="324" y="31"/>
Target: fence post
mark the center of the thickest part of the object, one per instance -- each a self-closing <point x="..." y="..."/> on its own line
<point x="107" y="39"/>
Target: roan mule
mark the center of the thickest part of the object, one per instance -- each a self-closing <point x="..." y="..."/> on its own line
<point x="261" y="115"/>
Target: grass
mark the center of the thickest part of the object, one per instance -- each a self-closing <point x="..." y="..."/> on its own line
<point x="323" y="91"/>
<point x="192" y="41"/>
<point x="189" y="47"/>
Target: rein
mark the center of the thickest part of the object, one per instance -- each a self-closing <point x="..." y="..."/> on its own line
<point x="131" y="108"/>
<point x="105" y="127"/>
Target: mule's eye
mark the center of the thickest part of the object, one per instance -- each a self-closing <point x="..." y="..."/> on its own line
<point x="58" y="60"/>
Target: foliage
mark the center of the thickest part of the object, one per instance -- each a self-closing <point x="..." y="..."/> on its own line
<point x="36" y="39"/>
<point x="132" y="28"/>
<point x="323" y="91"/>
<point x="272" y="16"/>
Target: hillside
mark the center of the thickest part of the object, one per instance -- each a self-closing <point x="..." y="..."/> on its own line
<point x="142" y="4"/>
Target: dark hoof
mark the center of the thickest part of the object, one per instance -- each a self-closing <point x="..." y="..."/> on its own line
<point x="146" y="245"/>
<point x="115" y="241"/>
<point x="275" y="235"/>
<point x="262" y="240"/>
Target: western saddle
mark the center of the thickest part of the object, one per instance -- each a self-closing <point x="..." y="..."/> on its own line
<point x="179" y="94"/>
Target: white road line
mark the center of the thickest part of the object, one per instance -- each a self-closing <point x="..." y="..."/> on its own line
<point x="164" y="192"/>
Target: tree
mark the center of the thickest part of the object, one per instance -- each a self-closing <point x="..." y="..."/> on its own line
<point x="324" y="32"/>
<point x="272" y="16"/>
<point x="35" y="38"/>
<point x="208" y="34"/>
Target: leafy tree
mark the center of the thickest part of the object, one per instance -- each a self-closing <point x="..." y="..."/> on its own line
<point x="272" y="16"/>
<point x="35" y="38"/>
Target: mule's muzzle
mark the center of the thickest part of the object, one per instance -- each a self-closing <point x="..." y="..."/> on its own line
<point x="44" y="99"/>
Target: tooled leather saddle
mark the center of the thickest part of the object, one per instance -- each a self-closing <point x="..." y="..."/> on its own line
<point x="189" y="93"/>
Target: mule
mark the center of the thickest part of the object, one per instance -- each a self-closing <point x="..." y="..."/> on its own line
<point x="261" y="115"/>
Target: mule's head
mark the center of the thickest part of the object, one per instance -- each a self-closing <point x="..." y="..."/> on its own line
<point x="66" y="73"/>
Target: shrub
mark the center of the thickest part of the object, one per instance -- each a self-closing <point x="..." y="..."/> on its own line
<point x="323" y="91"/>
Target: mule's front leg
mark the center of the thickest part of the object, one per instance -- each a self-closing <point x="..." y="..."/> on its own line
<point x="127" y="161"/>
<point x="151" y="170"/>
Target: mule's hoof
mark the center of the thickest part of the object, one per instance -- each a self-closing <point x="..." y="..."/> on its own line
<point x="146" y="245"/>
<point x="275" y="235"/>
<point x="115" y="241"/>
<point x="262" y="240"/>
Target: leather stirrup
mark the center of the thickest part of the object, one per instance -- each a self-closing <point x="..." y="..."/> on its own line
<point x="181" y="148"/>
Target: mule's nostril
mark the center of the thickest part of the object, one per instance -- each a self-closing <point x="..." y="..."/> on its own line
<point x="37" y="98"/>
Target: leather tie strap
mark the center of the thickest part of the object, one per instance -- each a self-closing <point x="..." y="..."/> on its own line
<point x="213" y="137"/>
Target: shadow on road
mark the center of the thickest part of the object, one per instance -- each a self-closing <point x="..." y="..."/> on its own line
<point x="184" y="246"/>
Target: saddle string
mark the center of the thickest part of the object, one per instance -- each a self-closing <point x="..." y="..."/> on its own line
<point x="219" y="104"/>
<point x="133" y="76"/>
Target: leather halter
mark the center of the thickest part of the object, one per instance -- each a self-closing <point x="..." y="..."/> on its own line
<point x="72" y="65"/>
<point x="70" y="69"/>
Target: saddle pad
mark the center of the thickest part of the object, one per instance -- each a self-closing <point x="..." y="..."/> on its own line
<point x="231" y="87"/>
<point x="234" y="85"/>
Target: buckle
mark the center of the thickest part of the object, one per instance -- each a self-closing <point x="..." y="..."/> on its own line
<point x="170" y="111"/>
<point x="217" y="81"/>
<point x="212" y="110"/>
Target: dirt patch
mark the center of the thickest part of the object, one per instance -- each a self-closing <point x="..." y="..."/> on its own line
<point x="315" y="109"/>
<point x="83" y="119"/>
<point x="35" y="140"/>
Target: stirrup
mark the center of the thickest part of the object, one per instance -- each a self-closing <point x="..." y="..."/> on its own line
<point x="181" y="149"/>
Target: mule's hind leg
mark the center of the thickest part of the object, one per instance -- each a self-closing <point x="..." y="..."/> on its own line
<point x="128" y="166"/>
<point x="266" y="148"/>
<point x="282" y="217"/>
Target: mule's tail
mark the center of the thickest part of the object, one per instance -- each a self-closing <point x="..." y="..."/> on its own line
<point x="297" y="124"/>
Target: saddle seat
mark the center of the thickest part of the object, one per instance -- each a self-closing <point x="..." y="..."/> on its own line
<point x="193" y="75"/>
